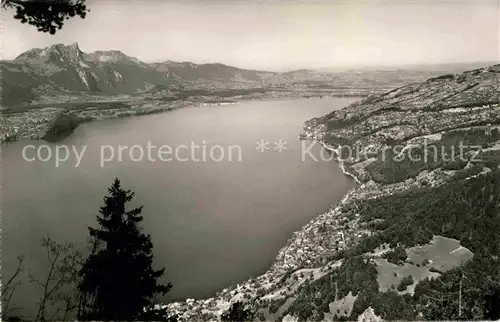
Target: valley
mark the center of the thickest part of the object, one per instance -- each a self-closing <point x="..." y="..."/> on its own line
<point x="411" y="228"/>
<point x="43" y="83"/>
<point x="284" y="161"/>
<point x="419" y="141"/>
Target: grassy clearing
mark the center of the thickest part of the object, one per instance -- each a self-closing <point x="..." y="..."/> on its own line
<point x="440" y="255"/>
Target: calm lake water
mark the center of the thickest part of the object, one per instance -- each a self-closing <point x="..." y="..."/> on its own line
<point x="212" y="223"/>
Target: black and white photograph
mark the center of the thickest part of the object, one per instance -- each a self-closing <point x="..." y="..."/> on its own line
<point x="239" y="160"/>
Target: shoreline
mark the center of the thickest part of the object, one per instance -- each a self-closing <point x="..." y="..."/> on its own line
<point x="42" y="127"/>
<point x="280" y="263"/>
<point x="336" y="207"/>
<point x="340" y="162"/>
<point x="221" y="301"/>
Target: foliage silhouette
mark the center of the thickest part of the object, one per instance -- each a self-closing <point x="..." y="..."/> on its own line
<point x="237" y="312"/>
<point x="118" y="281"/>
<point x="46" y="15"/>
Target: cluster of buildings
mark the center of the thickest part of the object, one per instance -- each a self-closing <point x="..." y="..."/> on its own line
<point x="33" y="122"/>
<point x="26" y="125"/>
<point x="406" y="116"/>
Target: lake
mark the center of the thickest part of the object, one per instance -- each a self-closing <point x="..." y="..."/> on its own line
<point x="218" y="210"/>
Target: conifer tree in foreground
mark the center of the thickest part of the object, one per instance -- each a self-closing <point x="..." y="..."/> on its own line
<point x="117" y="279"/>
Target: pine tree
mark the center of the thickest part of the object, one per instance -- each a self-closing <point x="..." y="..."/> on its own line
<point x="48" y="15"/>
<point x="117" y="279"/>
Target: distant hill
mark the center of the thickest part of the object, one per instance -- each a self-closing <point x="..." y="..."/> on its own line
<point x="443" y="67"/>
<point x="192" y="72"/>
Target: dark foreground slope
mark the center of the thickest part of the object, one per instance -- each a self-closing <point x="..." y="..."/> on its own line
<point x="419" y="237"/>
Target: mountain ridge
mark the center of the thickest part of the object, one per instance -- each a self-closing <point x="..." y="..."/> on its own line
<point x="60" y="69"/>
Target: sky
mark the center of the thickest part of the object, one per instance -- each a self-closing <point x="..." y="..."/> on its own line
<point x="279" y="34"/>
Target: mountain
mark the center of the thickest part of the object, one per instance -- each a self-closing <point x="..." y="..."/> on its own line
<point x="417" y="239"/>
<point x="65" y="68"/>
<point x="60" y="65"/>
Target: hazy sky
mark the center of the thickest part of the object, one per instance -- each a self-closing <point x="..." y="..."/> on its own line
<point x="278" y="35"/>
